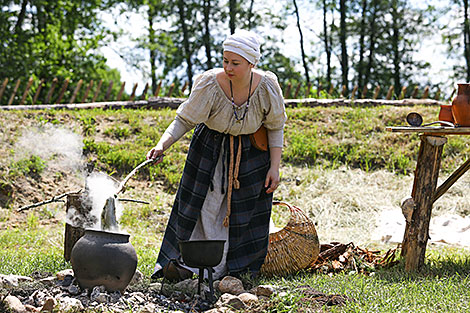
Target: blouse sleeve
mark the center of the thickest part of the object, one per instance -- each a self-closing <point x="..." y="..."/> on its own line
<point x="196" y="109"/>
<point x="275" y="117"/>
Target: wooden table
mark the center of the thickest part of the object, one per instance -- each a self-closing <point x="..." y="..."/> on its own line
<point x="417" y="209"/>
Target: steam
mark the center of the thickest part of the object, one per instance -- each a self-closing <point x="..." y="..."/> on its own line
<point x="62" y="149"/>
<point x="54" y="144"/>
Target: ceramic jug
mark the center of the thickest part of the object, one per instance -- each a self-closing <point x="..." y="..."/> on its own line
<point x="461" y="105"/>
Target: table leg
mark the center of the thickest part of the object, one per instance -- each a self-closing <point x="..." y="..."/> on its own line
<point x="424" y="186"/>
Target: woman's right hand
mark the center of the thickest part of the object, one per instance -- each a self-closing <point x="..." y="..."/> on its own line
<point x="156" y="153"/>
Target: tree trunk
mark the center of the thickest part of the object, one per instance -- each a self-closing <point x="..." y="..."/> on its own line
<point x="395" y="49"/>
<point x="466" y="34"/>
<point x="326" y="40"/>
<point x="344" y="50"/>
<point x="372" y="38"/>
<point x="187" y="50"/>
<point x="153" y="55"/>
<point x="21" y="16"/>
<point x="250" y="15"/>
<point x="362" y="35"/>
<point x="304" y="58"/>
<point x="233" y="13"/>
<point x="207" y="36"/>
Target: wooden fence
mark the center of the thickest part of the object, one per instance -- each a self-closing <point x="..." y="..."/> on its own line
<point x="91" y="92"/>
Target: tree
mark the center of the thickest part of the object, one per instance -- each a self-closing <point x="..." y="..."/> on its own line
<point x="304" y="58"/>
<point x="344" y="49"/>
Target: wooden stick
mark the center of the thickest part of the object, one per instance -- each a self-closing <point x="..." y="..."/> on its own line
<point x="53" y="199"/>
<point x="133" y="92"/>
<point x="332" y="89"/>
<point x="38" y="91"/>
<point x="157" y="91"/>
<point x="308" y="89"/>
<point x="390" y="92"/>
<point x="438" y="93"/>
<point x="376" y="92"/>
<point x="75" y="92"/>
<point x="2" y="89"/>
<point x="133" y="200"/>
<point x="25" y="93"/>
<point x="108" y="92"/>
<point x="425" y="93"/>
<point x="121" y="91"/>
<point x="296" y="94"/>
<point x="62" y="90"/>
<point x="14" y="91"/>
<point x="451" y="180"/>
<point x="402" y="93"/>
<point x="170" y="92"/>
<point x="97" y="91"/>
<point x="353" y="93"/>
<point x="51" y="90"/>
<point x="415" y="92"/>
<point x="364" y="92"/>
<point x="87" y="91"/>
<point x="186" y="84"/>
<point x="144" y="92"/>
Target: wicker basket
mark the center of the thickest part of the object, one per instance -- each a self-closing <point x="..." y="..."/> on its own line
<point x="292" y="248"/>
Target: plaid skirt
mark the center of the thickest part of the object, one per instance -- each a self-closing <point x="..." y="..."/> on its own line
<point x="250" y="207"/>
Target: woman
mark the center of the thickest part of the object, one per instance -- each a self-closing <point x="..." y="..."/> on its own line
<point x="225" y="192"/>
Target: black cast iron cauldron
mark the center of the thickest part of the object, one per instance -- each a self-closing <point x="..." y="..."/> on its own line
<point x="203" y="254"/>
<point x="104" y="258"/>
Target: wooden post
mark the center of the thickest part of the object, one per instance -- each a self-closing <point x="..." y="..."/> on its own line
<point x="332" y="89"/>
<point x="353" y="93"/>
<point x="119" y="96"/>
<point x="97" y="91"/>
<point x="390" y="92"/>
<point x="133" y="92"/>
<point x="170" y="91"/>
<point x="108" y="91"/>
<point x="85" y="95"/>
<point x="438" y="94"/>
<point x="25" y="93"/>
<point x="343" y="91"/>
<point x="308" y="89"/>
<point x="157" y="90"/>
<point x="376" y="92"/>
<point x="75" y="92"/>
<point x="287" y="90"/>
<point x="425" y="93"/>
<point x="402" y="93"/>
<point x="51" y="90"/>
<point x="364" y="92"/>
<point x="144" y="93"/>
<point x="319" y="89"/>
<point x="415" y="93"/>
<point x="424" y="186"/>
<point x="74" y="232"/>
<point x="62" y="90"/>
<point x="296" y="94"/>
<point x="38" y="91"/>
<point x="14" y="92"/>
<point x="186" y="84"/>
<point x="2" y="89"/>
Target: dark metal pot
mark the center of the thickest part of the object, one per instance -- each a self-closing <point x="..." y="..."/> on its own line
<point x="202" y="253"/>
<point x="104" y="258"/>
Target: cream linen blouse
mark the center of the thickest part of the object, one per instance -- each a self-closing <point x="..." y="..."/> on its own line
<point x="208" y="104"/>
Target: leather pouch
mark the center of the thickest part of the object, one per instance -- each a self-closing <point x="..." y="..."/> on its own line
<point x="259" y="139"/>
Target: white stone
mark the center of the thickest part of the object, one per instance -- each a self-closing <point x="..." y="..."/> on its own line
<point x="248" y="298"/>
<point x="229" y="300"/>
<point x="70" y="304"/>
<point x="61" y="274"/>
<point x="264" y="290"/>
<point x="14" y="304"/>
<point x="231" y="285"/>
<point x="48" y="281"/>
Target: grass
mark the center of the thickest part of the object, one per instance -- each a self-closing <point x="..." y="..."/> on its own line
<point x="339" y="165"/>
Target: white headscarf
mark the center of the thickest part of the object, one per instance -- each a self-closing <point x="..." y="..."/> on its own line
<point x="244" y="43"/>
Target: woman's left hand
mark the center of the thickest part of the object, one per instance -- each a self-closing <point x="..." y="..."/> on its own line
<point x="272" y="180"/>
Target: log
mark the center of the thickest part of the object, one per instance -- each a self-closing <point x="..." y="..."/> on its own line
<point x="311" y="102"/>
<point x="151" y="103"/>
<point x="424" y="187"/>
